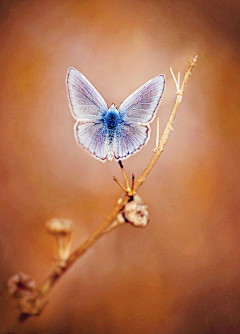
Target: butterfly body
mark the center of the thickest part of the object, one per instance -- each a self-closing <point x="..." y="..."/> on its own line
<point x="112" y="118"/>
<point x="109" y="133"/>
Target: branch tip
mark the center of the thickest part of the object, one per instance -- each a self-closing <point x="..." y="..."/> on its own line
<point x="193" y="61"/>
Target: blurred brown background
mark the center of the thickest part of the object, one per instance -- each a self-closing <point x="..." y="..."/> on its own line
<point x="181" y="274"/>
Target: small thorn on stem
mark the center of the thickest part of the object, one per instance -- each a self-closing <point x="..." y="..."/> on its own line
<point x="157" y="136"/>
<point x="154" y="150"/>
<point x="177" y="82"/>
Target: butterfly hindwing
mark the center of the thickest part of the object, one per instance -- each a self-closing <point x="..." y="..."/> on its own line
<point x="93" y="137"/>
<point x="129" y="139"/>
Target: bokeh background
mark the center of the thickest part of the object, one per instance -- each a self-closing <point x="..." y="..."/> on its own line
<point x="180" y="274"/>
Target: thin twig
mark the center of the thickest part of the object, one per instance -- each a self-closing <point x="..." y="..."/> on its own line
<point x="154" y="150"/>
<point x="133" y="180"/>
<point x="125" y="178"/>
<point x="177" y="82"/>
<point x="120" y="184"/>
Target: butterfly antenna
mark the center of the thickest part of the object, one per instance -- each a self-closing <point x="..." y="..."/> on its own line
<point x="118" y="105"/>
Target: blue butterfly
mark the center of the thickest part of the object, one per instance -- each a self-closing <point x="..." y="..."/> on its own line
<point x="109" y="133"/>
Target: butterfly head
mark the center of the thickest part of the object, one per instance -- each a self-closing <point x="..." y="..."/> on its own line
<point x="112" y="107"/>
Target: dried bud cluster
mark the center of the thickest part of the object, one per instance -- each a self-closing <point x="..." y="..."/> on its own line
<point x="31" y="304"/>
<point x="23" y="287"/>
<point x="21" y="284"/>
<point x="134" y="212"/>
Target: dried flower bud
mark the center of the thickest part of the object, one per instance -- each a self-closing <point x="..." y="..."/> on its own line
<point x="21" y="284"/>
<point x="31" y="304"/>
<point x="59" y="226"/>
<point x="120" y="218"/>
<point x="23" y="287"/>
<point x="136" y="213"/>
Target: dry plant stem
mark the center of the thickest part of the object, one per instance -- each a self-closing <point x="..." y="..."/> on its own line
<point x="102" y="229"/>
<point x="168" y="127"/>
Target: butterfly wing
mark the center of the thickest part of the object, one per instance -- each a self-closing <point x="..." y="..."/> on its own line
<point x="136" y="112"/>
<point x="88" y="106"/>
<point x="129" y="139"/>
<point x="86" y="103"/>
<point x="93" y="137"/>
<point x="141" y="105"/>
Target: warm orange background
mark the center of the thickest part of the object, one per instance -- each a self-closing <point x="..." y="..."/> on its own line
<point x="179" y="275"/>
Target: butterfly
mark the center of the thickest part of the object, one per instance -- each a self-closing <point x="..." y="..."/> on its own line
<point x="108" y="132"/>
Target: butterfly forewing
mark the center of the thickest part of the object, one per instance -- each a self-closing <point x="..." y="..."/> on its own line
<point x="141" y="105"/>
<point x="86" y="103"/>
